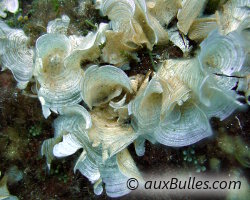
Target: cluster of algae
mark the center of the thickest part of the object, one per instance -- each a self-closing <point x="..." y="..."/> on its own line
<point x="171" y="106"/>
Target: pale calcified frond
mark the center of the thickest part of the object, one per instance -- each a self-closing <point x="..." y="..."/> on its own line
<point x="146" y="107"/>
<point x="98" y="189"/>
<point x="132" y="27"/>
<point x="222" y="103"/>
<point x="80" y="112"/>
<point x="180" y="80"/>
<point x="127" y="165"/>
<point x="8" y="5"/>
<point x="110" y="134"/>
<point x="201" y="27"/>
<point x="4" y="30"/>
<point x="226" y="83"/>
<point x="224" y="57"/>
<point x="58" y="64"/>
<point x="88" y="166"/>
<point x="136" y="81"/>
<point x="73" y="119"/>
<point x="183" y="80"/>
<point x="131" y="17"/>
<point x="68" y="146"/>
<point x="71" y="135"/>
<point x="190" y="10"/>
<point x="86" y="48"/>
<point x="47" y="149"/>
<point x="116" y="51"/>
<point x="171" y="105"/>
<point x="150" y="29"/>
<point x="222" y="54"/>
<point x="160" y="32"/>
<point x="163" y="10"/>
<point x="59" y="25"/>
<point x="4" y="192"/>
<point x="116" y="172"/>
<point x="118" y="11"/>
<point x="59" y="85"/>
<point x="139" y="144"/>
<point x="107" y="81"/>
<point x="118" y="104"/>
<point x="179" y="40"/>
<point x="121" y="108"/>
<point x="234" y="12"/>
<point x="71" y="126"/>
<point x="191" y="127"/>
<point x="121" y="14"/>
<point x="15" y="54"/>
<point x="243" y="30"/>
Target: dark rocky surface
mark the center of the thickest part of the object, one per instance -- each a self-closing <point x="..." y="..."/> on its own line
<point x="23" y="128"/>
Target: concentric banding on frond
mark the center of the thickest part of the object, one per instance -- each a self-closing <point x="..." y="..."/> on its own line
<point x="181" y="80"/>
<point x="59" y="85"/>
<point x="72" y="126"/>
<point x="15" y="54"/>
<point x="222" y="103"/>
<point x="108" y="133"/>
<point x="163" y="10"/>
<point x="122" y="10"/>
<point x="146" y="107"/>
<point x="85" y="49"/>
<point x="222" y="54"/>
<point x="102" y="84"/>
<point x="132" y="19"/>
<point x="233" y="13"/>
<point x="188" y="13"/>
<point x="201" y="27"/>
<point x="116" y="172"/>
<point x="192" y="126"/>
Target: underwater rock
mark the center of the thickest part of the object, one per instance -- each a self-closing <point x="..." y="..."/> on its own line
<point x="236" y="147"/>
<point x="102" y="110"/>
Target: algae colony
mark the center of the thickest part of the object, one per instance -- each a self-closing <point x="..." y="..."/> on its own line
<point x="94" y="93"/>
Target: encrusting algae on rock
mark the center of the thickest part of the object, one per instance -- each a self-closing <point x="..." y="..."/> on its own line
<point x="171" y="106"/>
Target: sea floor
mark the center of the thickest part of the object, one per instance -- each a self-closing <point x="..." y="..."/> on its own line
<point x="23" y="129"/>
